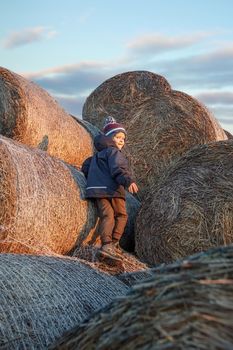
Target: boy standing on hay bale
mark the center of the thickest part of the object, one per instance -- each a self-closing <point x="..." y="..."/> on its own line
<point x="108" y="176"/>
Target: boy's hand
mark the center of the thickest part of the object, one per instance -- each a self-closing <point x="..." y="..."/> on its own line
<point x="133" y="188"/>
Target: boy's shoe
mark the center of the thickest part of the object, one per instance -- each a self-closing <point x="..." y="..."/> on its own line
<point x="111" y="250"/>
<point x="111" y="261"/>
<point x="117" y="247"/>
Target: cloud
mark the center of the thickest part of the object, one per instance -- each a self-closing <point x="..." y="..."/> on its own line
<point x="207" y="75"/>
<point x="157" y="43"/>
<point x="72" y="105"/>
<point x="216" y="98"/>
<point x="27" y="36"/>
<point x="200" y="71"/>
<point x="71" y="79"/>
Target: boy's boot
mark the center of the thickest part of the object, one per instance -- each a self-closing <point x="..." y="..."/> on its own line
<point x="117" y="246"/>
<point x="110" y="249"/>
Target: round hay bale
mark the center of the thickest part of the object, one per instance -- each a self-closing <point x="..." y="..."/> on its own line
<point x="163" y="129"/>
<point x="29" y="114"/>
<point x="118" y="95"/>
<point x="161" y="123"/>
<point x="188" y="305"/>
<point x="42" y="203"/>
<point x="41" y="297"/>
<point x="192" y="208"/>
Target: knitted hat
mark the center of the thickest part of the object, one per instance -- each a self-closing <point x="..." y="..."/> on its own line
<point x="111" y="126"/>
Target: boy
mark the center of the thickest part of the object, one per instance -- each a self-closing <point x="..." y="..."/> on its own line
<point x="108" y="176"/>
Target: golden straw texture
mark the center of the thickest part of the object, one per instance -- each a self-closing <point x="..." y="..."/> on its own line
<point x="42" y="202"/>
<point x="29" y="114"/>
<point x="192" y="208"/>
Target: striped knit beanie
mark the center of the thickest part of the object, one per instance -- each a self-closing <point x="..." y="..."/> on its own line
<point x="111" y="126"/>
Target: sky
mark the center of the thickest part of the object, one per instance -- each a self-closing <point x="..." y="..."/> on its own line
<point x="70" y="47"/>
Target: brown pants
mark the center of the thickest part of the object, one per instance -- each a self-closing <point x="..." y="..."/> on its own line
<point x="113" y="218"/>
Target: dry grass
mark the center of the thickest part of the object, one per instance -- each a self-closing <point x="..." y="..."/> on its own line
<point x="162" y="124"/>
<point x="41" y="297"/>
<point x="29" y="114"/>
<point x="192" y="208"/>
<point x="187" y="305"/>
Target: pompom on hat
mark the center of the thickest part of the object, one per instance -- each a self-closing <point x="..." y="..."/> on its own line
<point x="111" y="126"/>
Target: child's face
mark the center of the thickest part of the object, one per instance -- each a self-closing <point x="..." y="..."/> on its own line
<point x="119" y="139"/>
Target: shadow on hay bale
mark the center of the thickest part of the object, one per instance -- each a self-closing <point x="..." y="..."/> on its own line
<point x="186" y="305"/>
<point x="162" y="124"/>
<point x="42" y="203"/>
<point x="41" y="297"/>
<point x="192" y="208"/>
<point x="29" y="114"/>
<point x="92" y="129"/>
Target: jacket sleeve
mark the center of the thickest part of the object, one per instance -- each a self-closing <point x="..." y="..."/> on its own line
<point x="119" y="169"/>
<point x="86" y="166"/>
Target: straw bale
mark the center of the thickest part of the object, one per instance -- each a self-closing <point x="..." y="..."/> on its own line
<point x="42" y="208"/>
<point x="41" y="297"/>
<point x="162" y="124"/>
<point x="118" y="95"/>
<point x="192" y="208"/>
<point x="186" y="305"/>
<point x="28" y="114"/>
<point x="42" y="203"/>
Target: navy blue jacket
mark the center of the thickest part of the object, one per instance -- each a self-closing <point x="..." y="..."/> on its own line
<point x="107" y="171"/>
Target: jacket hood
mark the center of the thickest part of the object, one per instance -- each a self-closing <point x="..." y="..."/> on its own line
<point x="101" y="142"/>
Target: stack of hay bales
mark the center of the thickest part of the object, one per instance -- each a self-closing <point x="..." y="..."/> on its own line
<point x="192" y="208"/>
<point x="43" y="211"/>
<point x="42" y="297"/>
<point x="42" y="203"/>
<point x="162" y="124"/>
<point x="187" y="305"/>
<point x="31" y="116"/>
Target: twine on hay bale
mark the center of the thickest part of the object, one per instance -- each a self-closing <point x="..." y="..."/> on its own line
<point x="42" y="203"/>
<point x="42" y="297"/>
<point x="192" y="208"/>
<point x="29" y="114"/>
<point x="186" y="305"/>
<point x="161" y="123"/>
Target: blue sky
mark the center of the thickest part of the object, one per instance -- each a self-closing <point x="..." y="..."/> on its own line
<point x="70" y="47"/>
